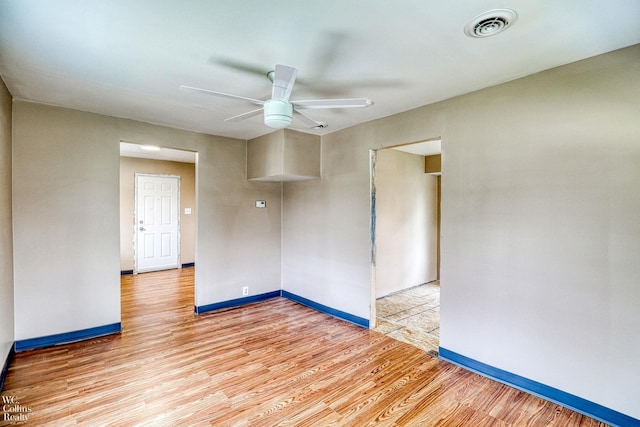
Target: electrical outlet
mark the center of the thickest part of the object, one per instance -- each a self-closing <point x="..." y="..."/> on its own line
<point x="245" y="291"/>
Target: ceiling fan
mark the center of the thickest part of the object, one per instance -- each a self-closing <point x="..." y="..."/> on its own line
<point x="279" y="110"/>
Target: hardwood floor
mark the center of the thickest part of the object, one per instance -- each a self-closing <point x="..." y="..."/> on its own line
<point x="273" y="363"/>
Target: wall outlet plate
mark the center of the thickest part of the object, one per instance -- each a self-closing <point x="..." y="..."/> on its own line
<point x="245" y="291"/>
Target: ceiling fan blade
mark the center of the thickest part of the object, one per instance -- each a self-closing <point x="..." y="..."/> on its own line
<point x="243" y="116"/>
<point x="221" y="94"/>
<point x="325" y="51"/>
<point x="283" y="79"/>
<point x="310" y="123"/>
<point x="323" y="104"/>
<point x="240" y="66"/>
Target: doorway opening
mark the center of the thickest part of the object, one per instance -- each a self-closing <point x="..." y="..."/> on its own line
<point x="138" y="160"/>
<point x="405" y="242"/>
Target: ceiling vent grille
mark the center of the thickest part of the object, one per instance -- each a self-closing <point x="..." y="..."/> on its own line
<point x="490" y="23"/>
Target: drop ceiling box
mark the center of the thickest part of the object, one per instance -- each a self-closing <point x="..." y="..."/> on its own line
<point x="433" y="164"/>
<point x="282" y="156"/>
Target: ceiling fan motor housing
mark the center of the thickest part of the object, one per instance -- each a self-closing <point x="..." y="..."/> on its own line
<point x="277" y="113"/>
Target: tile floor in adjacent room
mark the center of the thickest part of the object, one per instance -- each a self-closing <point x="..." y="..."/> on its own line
<point x="412" y="316"/>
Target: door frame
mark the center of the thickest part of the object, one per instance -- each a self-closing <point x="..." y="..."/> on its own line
<point x="373" y="201"/>
<point x="135" y="216"/>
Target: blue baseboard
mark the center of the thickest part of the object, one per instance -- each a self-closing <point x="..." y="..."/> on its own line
<point x="560" y="397"/>
<point x="5" y="367"/>
<point x="235" y="302"/>
<point x="67" y="337"/>
<point x="360" y="321"/>
<point x="293" y="297"/>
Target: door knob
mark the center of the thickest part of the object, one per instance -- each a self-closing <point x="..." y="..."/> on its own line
<point x="141" y="228"/>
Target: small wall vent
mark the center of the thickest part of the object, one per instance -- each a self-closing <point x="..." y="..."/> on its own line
<point x="490" y="23"/>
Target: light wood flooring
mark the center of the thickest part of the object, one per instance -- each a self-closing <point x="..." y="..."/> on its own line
<point x="273" y="363"/>
<point x="412" y="316"/>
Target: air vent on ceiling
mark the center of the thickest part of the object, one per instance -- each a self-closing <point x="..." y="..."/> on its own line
<point x="490" y="23"/>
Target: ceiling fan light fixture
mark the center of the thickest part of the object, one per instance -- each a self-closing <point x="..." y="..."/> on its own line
<point x="490" y="23"/>
<point x="277" y="113"/>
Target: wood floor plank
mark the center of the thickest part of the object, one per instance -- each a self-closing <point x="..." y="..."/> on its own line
<point x="273" y="363"/>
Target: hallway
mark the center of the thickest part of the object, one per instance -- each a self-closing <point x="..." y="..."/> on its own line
<point x="412" y="316"/>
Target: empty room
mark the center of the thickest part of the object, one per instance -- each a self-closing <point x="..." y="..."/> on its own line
<point x="195" y="201"/>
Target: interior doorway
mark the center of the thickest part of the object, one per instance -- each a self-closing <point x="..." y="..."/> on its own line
<point x="138" y="159"/>
<point x="405" y="242"/>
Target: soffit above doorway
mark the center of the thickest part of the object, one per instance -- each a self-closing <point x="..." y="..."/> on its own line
<point x="128" y="149"/>
<point x="424" y="148"/>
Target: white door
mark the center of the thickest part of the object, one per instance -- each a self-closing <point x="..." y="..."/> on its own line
<point x="156" y="222"/>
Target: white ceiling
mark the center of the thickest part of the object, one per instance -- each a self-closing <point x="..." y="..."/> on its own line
<point x="128" y="58"/>
<point x="128" y="149"/>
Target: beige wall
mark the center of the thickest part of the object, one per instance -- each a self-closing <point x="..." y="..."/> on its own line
<point x="326" y="230"/>
<point x="67" y="224"/>
<point x="406" y="222"/>
<point x="129" y="166"/>
<point x="6" y="235"/>
<point x="540" y="231"/>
